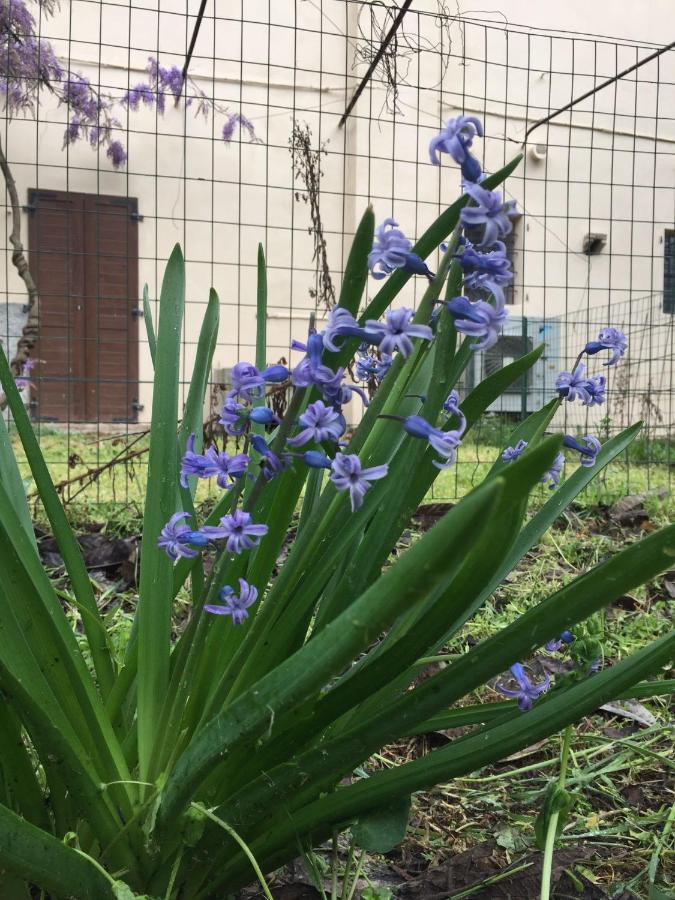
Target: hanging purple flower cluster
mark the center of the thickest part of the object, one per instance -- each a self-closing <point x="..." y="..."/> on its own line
<point x="29" y="64"/>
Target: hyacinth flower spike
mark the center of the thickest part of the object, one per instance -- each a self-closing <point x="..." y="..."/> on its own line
<point x="526" y="691"/>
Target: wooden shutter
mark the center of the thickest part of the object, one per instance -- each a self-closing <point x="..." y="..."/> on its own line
<point x="84" y="258"/>
<point x="669" y="272"/>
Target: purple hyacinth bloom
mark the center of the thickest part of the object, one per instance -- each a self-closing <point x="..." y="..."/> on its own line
<point x="271" y="464"/>
<point x="609" y="339"/>
<point x="445" y="443"/>
<point x="195" y="464"/>
<point x="172" y="538"/>
<point x="238" y="530"/>
<point x="566" y="637"/>
<point x="553" y="474"/>
<point x="527" y="691"/>
<point x="235" y="605"/>
<point x="597" y="384"/>
<point x="247" y="382"/>
<point x="478" y="319"/>
<point x="310" y="370"/>
<point x="233" y="417"/>
<point x="512" y="453"/>
<point x="347" y="475"/>
<point x="368" y="366"/>
<point x="275" y="374"/>
<point x="263" y="415"/>
<point x="339" y="395"/>
<point x="452" y="408"/>
<point x="227" y="468"/>
<point x="392" y="250"/>
<point x="488" y="272"/>
<point x="575" y="385"/>
<point x="319" y="423"/>
<point x="589" y="448"/>
<point x="472" y="170"/>
<point x="342" y="324"/>
<point x="456" y="139"/>
<point x="397" y="330"/>
<point x="490" y="211"/>
<point x="315" y="459"/>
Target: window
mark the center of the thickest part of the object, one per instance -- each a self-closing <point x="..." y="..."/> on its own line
<point x="83" y="253"/>
<point x="669" y="272"/>
<point x="508" y="349"/>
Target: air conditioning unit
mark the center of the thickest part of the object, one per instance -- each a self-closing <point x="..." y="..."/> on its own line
<point x="537" y="386"/>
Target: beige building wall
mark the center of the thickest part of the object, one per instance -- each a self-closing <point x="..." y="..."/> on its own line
<point x="607" y="166"/>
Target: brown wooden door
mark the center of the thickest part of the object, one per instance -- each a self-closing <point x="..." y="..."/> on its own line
<point x="84" y="258"/>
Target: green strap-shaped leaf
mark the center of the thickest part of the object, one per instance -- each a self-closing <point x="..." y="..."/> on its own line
<point x="149" y="327"/>
<point x="384" y="829"/>
<point x="19" y="772"/>
<point x="486" y="713"/>
<point x="32" y="854"/>
<point x="68" y="546"/>
<point x="10" y="478"/>
<point x="317" y="767"/>
<point x="416" y="574"/>
<point x="465" y="755"/>
<point x="154" y="604"/>
<point x="356" y="270"/>
<point x="193" y="414"/>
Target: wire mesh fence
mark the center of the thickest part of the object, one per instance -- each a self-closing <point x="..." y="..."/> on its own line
<point x="595" y="244"/>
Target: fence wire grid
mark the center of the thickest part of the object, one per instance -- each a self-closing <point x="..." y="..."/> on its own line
<point x="594" y="246"/>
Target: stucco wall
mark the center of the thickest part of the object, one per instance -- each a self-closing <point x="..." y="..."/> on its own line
<point x="608" y="166"/>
